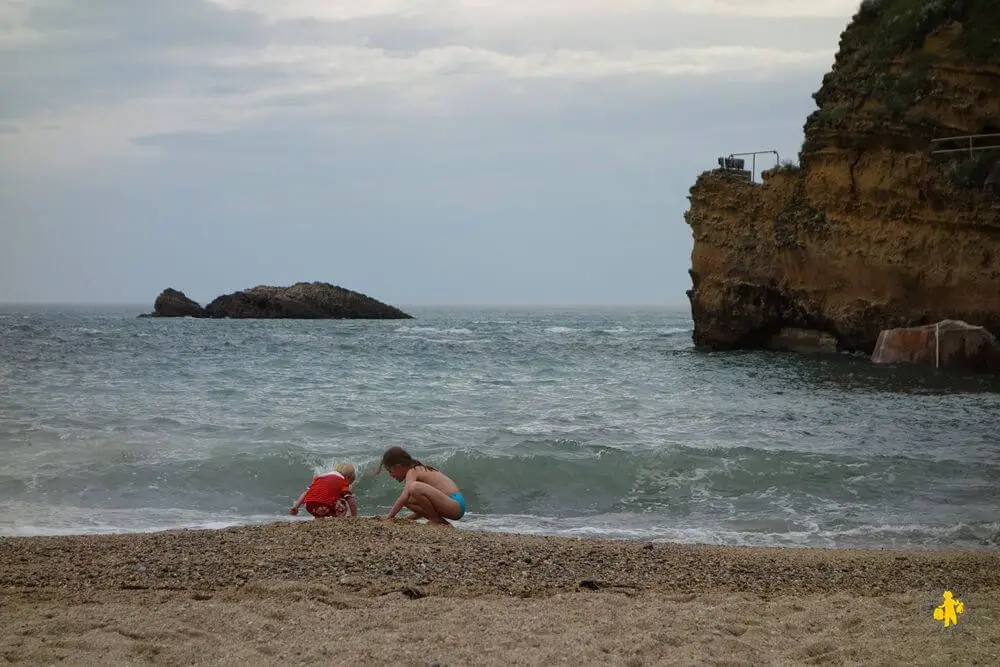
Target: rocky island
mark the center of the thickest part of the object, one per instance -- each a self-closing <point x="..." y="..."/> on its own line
<point x="890" y="219"/>
<point x="314" y="300"/>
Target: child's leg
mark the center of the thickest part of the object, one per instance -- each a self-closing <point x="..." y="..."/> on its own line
<point x="340" y="508"/>
<point x="424" y="510"/>
<point x="318" y="510"/>
<point x="432" y="503"/>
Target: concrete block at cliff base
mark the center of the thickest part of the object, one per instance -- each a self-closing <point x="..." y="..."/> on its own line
<point x="946" y="344"/>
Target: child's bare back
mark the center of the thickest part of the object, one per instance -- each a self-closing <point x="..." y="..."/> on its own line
<point x="433" y="477"/>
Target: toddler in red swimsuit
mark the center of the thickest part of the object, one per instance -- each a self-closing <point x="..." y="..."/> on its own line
<point x="329" y="494"/>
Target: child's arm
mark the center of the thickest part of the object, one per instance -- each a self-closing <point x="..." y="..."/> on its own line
<point x="294" y="509"/>
<point x="353" y="504"/>
<point x="398" y="505"/>
<point x="405" y="495"/>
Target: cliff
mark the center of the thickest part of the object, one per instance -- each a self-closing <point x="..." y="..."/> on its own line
<point x="874" y="228"/>
<point x="299" y="301"/>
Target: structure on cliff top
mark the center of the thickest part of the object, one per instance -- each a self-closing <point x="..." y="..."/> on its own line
<point x="734" y="166"/>
<point x="876" y="227"/>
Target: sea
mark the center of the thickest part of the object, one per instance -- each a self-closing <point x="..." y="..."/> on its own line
<point x="579" y="422"/>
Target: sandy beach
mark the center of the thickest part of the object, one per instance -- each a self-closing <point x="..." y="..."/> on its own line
<point x="372" y="591"/>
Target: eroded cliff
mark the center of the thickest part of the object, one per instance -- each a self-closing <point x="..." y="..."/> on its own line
<point x="872" y="229"/>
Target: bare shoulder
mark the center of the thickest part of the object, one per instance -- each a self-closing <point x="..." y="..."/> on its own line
<point x="439" y="480"/>
<point x="421" y="474"/>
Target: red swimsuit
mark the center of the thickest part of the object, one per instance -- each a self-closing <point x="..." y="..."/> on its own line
<point x="327" y="495"/>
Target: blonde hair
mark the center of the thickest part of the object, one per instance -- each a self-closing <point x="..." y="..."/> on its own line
<point x="347" y="470"/>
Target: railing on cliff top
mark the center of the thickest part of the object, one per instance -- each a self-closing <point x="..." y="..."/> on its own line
<point x="734" y="164"/>
<point x="992" y="143"/>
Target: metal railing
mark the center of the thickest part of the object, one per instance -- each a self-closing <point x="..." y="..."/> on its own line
<point x="734" y="163"/>
<point x="971" y="149"/>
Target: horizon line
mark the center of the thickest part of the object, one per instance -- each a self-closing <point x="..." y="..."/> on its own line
<point x="146" y="306"/>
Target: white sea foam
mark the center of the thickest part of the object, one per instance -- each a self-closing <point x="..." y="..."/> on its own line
<point x="69" y="520"/>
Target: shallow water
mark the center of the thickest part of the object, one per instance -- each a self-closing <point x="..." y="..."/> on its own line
<point x="572" y="422"/>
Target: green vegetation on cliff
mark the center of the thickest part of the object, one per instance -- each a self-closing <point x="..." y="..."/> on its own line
<point x="890" y="27"/>
<point x="883" y="57"/>
<point x="900" y="63"/>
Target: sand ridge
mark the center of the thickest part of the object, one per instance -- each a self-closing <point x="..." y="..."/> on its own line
<point x="391" y="592"/>
<point x="377" y="556"/>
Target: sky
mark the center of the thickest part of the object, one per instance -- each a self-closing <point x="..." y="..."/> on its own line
<point x="445" y="152"/>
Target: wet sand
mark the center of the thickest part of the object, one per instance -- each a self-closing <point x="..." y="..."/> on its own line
<point x="372" y="591"/>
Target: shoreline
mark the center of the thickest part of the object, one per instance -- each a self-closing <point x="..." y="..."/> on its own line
<point x="365" y="544"/>
<point x="981" y="546"/>
<point x="394" y="592"/>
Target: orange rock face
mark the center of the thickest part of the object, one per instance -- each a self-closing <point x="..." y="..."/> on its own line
<point x="873" y="229"/>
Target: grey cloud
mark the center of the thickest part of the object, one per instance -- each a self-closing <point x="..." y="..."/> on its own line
<point x="124" y="48"/>
<point x="652" y="30"/>
<point x="104" y="51"/>
<point x="129" y="25"/>
<point x="397" y="35"/>
<point x="636" y="108"/>
<point x="637" y="111"/>
<point x="664" y="30"/>
<point x="112" y="50"/>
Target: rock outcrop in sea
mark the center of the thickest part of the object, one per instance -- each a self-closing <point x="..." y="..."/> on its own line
<point x="172" y="303"/>
<point x="314" y="300"/>
<point x="890" y="219"/>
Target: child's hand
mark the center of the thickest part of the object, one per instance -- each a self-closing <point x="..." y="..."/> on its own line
<point x="293" y="511"/>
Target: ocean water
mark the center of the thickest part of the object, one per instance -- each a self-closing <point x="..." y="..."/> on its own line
<point x="587" y="423"/>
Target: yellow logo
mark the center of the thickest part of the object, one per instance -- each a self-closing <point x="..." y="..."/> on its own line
<point x="949" y="610"/>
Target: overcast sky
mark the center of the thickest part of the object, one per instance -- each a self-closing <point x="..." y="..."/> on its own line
<point x="423" y="152"/>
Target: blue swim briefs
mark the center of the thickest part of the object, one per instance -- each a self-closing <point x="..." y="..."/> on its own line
<point x="460" y="499"/>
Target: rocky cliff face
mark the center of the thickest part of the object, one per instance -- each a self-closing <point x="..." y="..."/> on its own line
<point x="299" y="301"/>
<point x="872" y="229"/>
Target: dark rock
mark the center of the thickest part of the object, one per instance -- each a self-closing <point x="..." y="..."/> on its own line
<point x="992" y="183"/>
<point x="299" y="301"/>
<point x="413" y="592"/>
<point x="172" y="303"/>
<point x="806" y="341"/>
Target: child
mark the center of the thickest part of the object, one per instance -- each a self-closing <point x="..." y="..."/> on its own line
<point x="329" y="494"/>
<point x="428" y="492"/>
